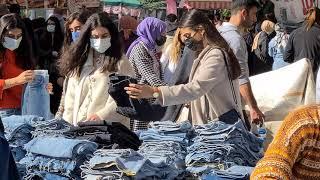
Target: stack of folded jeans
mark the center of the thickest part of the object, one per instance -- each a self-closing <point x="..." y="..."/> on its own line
<point x="107" y="135"/>
<point x="124" y="164"/>
<point x="218" y="147"/>
<point x="56" y="157"/>
<point x="53" y="128"/>
<point x="18" y="132"/>
<point x="167" y="142"/>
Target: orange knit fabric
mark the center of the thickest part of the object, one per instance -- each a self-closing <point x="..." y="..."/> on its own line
<point x="10" y="98"/>
<point x="295" y="151"/>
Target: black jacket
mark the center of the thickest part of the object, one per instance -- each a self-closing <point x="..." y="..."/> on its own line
<point x="304" y="44"/>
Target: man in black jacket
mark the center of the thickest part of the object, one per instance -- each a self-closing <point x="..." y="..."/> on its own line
<point x="304" y="42"/>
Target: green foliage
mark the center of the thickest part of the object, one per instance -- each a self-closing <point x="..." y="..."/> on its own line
<point x="153" y="4"/>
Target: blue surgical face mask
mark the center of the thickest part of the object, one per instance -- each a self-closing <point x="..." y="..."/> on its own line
<point x="12" y="44"/>
<point x="75" y="35"/>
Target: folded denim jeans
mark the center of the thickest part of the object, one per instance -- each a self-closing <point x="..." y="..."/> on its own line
<point x="60" y="166"/>
<point x="54" y="127"/>
<point x="221" y="143"/>
<point x="169" y="126"/>
<point x="60" y="147"/>
<point x="13" y="122"/>
<point x="4" y="113"/>
<point x="37" y="175"/>
<point x="131" y="163"/>
<point x="234" y="173"/>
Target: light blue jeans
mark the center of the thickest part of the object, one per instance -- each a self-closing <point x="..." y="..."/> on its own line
<point x="60" y="147"/>
<point x="44" y="164"/>
<point x="235" y="172"/>
<point x="169" y="126"/>
<point x="36" y="99"/>
<point x="130" y="162"/>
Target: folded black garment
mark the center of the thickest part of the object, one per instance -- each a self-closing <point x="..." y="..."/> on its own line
<point x="105" y="134"/>
<point x="141" y="109"/>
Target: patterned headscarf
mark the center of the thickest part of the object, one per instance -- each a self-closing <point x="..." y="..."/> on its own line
<point x="148" y="31"/>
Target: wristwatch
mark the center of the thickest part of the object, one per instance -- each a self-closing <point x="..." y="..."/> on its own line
<point x="156" y="92"/>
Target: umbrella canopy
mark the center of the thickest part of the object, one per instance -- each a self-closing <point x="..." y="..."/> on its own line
<point x="124" y="2"/>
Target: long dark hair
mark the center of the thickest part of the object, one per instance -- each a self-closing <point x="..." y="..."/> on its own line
<point x="58" y="35"/>
<point x="80" y="16"/>
<point x="194" y="19"/>
<point x="76" y="56"/>
<point x="25" y="59"/>
<point x="312" y="17"/>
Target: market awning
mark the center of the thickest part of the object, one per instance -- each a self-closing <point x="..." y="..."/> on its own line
<point x="209" y="4"/>
<point x="40" y="3"/>
<point x="122" y="2"/>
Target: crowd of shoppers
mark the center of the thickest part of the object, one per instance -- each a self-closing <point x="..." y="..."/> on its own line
<point x="195" y="66"/>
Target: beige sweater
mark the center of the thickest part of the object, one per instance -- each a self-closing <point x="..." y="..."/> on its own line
<point x="88" y="95"/>
<point x="208" y="91"/>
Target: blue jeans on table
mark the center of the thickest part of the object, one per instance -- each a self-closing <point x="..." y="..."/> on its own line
<point x="234" y="173"/>
<point x="131" y="163"/>
<point x="36" y="99"/>
<point x="171" y="153"/>
<point x="53" y="127"/>
<point x="9" y="112"/>
<point x="169" y="126"/>
<point x="41" y="163"/>
<point x="154" y="135"/>
<point x="45" y="176"/>
<point x="60" y="147"/>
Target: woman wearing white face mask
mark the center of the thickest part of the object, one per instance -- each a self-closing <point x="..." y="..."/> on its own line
<point x="72" y="32"/>
<point x="88" y="63"/>
<point x="15" y="64"/>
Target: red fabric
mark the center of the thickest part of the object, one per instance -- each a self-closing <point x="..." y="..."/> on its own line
<point x="10" y="98"/>
<point x="171" y="7"/>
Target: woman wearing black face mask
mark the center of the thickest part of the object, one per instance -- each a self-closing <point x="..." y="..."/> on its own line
<point x="213" y="87"/>
<point x="144" y="55"/>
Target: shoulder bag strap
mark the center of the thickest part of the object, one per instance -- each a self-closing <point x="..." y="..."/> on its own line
<point x="230" y="79"/>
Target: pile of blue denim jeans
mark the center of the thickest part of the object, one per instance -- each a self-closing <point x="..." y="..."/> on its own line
<point x="18" y="132"/>
<point x="56" y="157"/>
<point x="115" y="164"/>
<point x="223" y="151"/>
<point x="167" y="142"/>
<point x="161" y="156"/>
<point x="52" y="128"/>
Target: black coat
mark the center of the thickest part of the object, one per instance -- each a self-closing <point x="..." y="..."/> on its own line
<point x="304" y="44"/>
